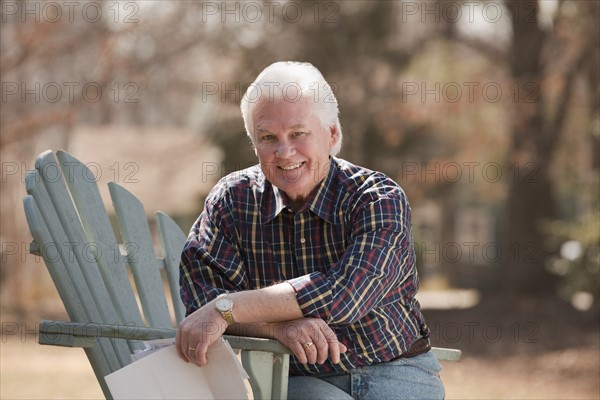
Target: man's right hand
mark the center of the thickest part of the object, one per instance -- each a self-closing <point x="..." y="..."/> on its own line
<point x="311" y="340"/>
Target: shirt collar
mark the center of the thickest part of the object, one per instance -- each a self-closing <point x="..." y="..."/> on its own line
<point x="274" y="202"/>
<point x="322" y="202"/>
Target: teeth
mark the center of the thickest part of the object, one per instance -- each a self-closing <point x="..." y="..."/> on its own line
<point x="293" y="166"/>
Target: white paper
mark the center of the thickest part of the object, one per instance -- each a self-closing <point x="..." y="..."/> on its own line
<point x="164" y="375"/>
<point x="150" y="346"/>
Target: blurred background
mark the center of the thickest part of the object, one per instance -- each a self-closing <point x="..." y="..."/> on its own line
<point x="486" y="112"/>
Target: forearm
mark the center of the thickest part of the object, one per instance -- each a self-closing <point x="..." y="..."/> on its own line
<point x="275" y="303"/>
<point x="258" y="329"/>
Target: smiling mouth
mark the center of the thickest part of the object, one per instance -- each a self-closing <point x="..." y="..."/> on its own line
<point x="292" y="166"/>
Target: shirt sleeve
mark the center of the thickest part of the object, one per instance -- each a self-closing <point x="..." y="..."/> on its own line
<point x="210" y="262"/>
<point x="377" y="268"/>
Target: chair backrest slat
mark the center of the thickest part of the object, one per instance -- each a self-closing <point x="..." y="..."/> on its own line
<point x="172" y="240"/>
<point x="137" y="239"/>
<point x="47" y="249"/>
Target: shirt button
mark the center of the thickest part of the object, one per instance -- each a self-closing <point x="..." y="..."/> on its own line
<point x="302" y="240"/>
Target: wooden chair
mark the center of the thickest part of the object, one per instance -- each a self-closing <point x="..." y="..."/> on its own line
<point x="91" y="270"/>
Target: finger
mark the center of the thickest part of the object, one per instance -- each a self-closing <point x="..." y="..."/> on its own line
<point x="336" y="352"/>
<point x="200" y="358"/>
<point x="299" y="352"/>
<point x="192" y="353"/>
<point x="322" y="346"/>
<point x="178" y="341"/>
<point x="312" y="350"/>
<point x="183" y="336"/>
<point x="333" y="343"/>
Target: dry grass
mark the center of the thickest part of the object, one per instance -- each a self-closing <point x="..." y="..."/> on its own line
<point x="32" y="371"/>
<point x="568" y="374"/>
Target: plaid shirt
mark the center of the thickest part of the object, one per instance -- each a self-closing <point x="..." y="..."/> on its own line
<point x="348" y="254"/>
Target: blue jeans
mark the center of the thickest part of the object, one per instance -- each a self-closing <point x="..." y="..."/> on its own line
<point x="405" y="378"/>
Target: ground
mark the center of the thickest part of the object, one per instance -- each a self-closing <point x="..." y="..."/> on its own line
<point x="524" y="351"/>
<point x="521" y="351"/>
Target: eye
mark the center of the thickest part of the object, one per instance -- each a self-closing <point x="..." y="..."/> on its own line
<point x="298" y="134"/>
<point x="267" y="138"/>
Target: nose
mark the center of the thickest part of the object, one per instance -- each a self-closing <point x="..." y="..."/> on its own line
<point x="284" y="150"/>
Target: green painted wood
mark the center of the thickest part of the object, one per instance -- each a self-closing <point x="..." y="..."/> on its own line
<point x="258" y="344"/>
<point x="55" y="204"/>
<point x="137" y="239"/>
<point x="60" y="277"/>
<point x="56" y="207"/>
<point x="259" y="366"/>
<point x="92" y="330"/>
<point x="98" y="230"/>
<point x="61" y="253"/>
<point x="97" y="355"/>
<point x="132" y="332"/>
<point x="172" y="240"/>
<point x="35" y="248"/>
<point x="281" y="370"/>
<point x="446" y="354"/>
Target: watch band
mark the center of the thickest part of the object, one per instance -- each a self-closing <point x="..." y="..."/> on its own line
<point x="228" y="315"/>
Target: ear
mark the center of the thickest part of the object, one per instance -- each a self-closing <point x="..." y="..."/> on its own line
<point x="335" y="135"/>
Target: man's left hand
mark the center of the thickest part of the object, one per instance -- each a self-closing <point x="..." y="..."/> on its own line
<point x="197" y="332"/>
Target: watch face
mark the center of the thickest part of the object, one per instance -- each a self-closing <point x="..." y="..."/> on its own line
<point x="224" y="304"/>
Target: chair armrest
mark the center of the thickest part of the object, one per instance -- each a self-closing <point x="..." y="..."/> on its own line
<point x="84" y="334"/>
<point x="445" y="354"/>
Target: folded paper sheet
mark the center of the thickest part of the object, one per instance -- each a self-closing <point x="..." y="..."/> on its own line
<point x="163" y="375"/>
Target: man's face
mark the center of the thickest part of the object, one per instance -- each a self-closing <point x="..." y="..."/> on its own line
<point x="292" y="146"/>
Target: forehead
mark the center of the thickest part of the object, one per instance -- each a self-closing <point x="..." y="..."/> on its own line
<point x="282" y="112"/>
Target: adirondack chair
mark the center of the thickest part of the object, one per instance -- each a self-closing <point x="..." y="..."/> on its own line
<point x="91" y="270"/>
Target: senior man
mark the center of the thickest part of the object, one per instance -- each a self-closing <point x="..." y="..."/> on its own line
<point x="311" y="250"/>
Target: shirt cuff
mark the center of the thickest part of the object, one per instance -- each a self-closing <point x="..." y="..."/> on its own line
<point x="313" y="295"/>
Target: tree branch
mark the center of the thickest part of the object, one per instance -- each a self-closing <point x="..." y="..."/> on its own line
<point x="564" y="99"/>
<point x="493" y="54"/>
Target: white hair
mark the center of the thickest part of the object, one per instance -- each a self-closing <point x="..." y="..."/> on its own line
<point x="293" y="81"/>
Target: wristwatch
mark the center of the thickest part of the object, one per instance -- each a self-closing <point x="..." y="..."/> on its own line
<point x="224" y="305"/>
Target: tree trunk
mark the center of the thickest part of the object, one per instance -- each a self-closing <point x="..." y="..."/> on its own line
<point x="530" y="197"/>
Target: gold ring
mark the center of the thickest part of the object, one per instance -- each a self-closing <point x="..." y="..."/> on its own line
<point x="191" y="349"/>
<point x="307" y="345"/>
